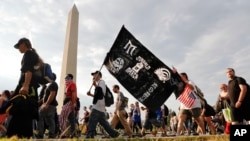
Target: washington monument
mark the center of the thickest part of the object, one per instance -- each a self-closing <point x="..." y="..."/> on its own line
<point x="69" y="62"/>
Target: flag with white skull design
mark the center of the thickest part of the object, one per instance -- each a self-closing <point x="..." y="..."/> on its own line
<point x="146" y="77"/>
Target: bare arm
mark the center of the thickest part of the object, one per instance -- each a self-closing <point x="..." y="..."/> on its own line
<point x="49" y="100"/>
<point x="243" y="90"/>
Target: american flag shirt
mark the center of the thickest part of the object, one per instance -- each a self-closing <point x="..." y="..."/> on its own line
<point x="188" y="98"/>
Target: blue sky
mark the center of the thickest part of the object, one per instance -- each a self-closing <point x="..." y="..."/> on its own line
<point x="201" y="38"/>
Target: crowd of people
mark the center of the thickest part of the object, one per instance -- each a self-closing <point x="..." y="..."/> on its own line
<point x="25" y="110"/>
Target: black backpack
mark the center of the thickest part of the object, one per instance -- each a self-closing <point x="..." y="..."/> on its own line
<point x="109" y="98"/>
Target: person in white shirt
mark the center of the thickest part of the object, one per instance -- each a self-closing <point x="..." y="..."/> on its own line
<point x="98" y="113"/>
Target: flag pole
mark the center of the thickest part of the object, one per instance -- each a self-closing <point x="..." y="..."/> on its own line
<point x="96" y="76"/>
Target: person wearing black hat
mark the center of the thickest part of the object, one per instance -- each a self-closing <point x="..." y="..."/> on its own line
<point x="98" y="112"/>
<point x="21" y="124"/>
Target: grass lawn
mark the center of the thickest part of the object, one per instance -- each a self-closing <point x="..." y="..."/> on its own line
<point x="180" y="138"/>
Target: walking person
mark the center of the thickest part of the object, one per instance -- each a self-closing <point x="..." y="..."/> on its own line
<point x="207" y="113"/>
<point x="137" y="126"/>
<point x="98" y="113"/>
<point x="239" y="95"/>
<point x="153" y="120"/>
<point x="47" y="110"/>
<point x="21" y="121"/>
<point x="120" y="112"/>
<point x="69" y="104"/>
<point x="194" y="108"/>
<point x="4" y="99"/>
<point x="223" y="99"/>
<point x="85" y="119"/>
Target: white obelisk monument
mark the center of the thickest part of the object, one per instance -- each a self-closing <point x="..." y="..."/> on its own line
<point x="69" y="62"/>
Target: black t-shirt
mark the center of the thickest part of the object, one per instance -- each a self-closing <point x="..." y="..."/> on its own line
<point x="29" y="60"/>
<point x="51" y="87"/>
<point x="151" y="114"/>
<point x="234" y="90"/>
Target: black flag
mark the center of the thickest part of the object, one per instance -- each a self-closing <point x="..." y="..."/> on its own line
<point x="148" y="79"/>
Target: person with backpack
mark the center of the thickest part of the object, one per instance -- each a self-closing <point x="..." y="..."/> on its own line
<point x="120" y="112"/>
<point x="25" y="110"/>
<point x="98" y="113"/>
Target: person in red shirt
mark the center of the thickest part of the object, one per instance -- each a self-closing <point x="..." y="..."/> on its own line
<point x="69" y="104"/>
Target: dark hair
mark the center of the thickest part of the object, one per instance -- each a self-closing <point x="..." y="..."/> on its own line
<point x="185" y="74"/>
<point x="54" y="76"/>
<point x="231" y="69"/>
<point x="7" y="93"/>
<point x="70" y="76"/>
<point x="116" y="86"/>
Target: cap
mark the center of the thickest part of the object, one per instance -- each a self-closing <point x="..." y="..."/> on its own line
<point x="96" y="72"/>
<point x="22" y="40"/>
<point x="69" y="76"/>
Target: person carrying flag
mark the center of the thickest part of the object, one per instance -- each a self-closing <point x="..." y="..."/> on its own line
<point x="189" y="102"/>
<point x="98" y="112"/>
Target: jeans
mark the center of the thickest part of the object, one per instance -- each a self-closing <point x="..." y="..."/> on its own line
<point x="95" y="117"/>
<point x="47" y="117"/>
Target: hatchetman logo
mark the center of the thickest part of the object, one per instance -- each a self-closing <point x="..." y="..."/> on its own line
<point x="239" y="132"/>
<point x="163" y="74"/>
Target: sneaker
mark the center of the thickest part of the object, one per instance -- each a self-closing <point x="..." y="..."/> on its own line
<point x="163" y="135"/>
<point x="143" y="134"/>
<point x="89" y="137"/>
<point x="106" y="137"/>
<point x="195" y="134"/>
<point x="38" y="136"/>
<point x="116" y="135"/>
<point x="131" y="136"/>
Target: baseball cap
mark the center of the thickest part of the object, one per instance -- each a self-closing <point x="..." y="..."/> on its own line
<point x="96" y="72"/>
<point x="22" y="40"/>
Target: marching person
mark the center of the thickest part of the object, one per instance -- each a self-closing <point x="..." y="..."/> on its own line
<point x="120" y="112"/>
<point x="98" y="113"/>
<point x="239" y="95"/>
<point x="85" y="119"/>
<point x="47" y="110"/>
<point x="21" y="122"/>
<point x="69" y="104"/>
<point x="195" y="108"/>
<point x="136" y="126"/>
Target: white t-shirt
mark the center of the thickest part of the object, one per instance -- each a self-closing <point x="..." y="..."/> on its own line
<point x="100" y="104"/>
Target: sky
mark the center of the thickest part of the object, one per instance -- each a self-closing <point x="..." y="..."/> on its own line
<point x="201" y="38"/>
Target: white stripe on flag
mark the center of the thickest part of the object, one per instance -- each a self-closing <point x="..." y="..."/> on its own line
<point x="66" y="109"/>
<point x="187" y="98"/>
